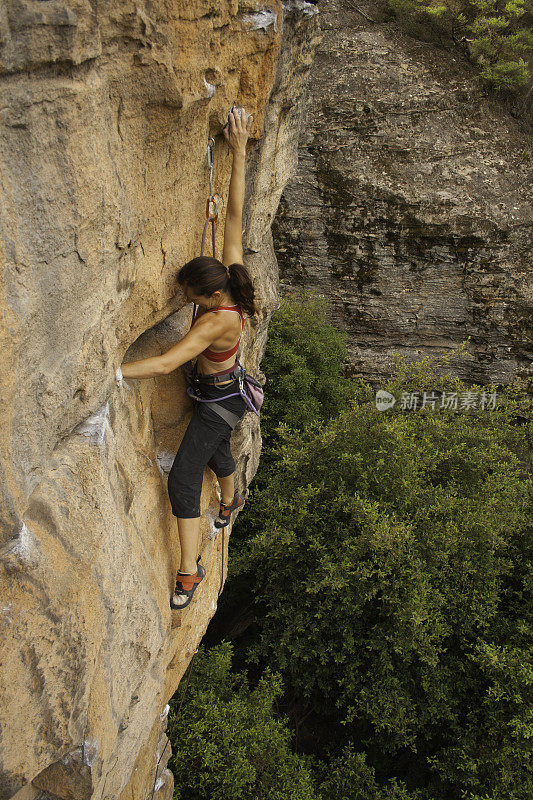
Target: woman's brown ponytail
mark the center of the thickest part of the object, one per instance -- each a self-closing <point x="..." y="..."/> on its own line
<point x="207" y="275"/>
<point x="241" y="288"/>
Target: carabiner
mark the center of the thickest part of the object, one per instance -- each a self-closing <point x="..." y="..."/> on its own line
<point x="214" y="202"/>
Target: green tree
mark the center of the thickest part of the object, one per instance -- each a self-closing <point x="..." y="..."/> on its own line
<point x="497" y="35"/>
<point x="384" y="570"/>
<point x="227" y="742"/>
<point x="349" y="777"/>
<point x="389" y="554"/>
<point x="303" y="360"/>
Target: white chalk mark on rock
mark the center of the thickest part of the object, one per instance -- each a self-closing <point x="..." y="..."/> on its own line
<point x="21" y="552"/>
<point x="94" y="427"/>
<point x="7" y="613"/>
<point x="164" y="461"/>
<point x="90" y="751"/>
<point x="300" y="5"/>
<point x="261" y="19"/>
<point x="211" y="88"/>
<point x="210" y="518"/>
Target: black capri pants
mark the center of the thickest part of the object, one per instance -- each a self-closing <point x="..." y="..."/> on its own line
<point x="205" y="442"/>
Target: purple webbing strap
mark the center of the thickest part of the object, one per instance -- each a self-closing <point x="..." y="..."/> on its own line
<point x="245" y="397"/>
<point x="190" y="392"/>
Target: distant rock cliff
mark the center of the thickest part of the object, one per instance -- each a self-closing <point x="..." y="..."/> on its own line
<point x="105" y="115"/>
<point x="411" y="208"/>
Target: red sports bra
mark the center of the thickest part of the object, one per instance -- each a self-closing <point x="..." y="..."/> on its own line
<point x="213" y="355"/>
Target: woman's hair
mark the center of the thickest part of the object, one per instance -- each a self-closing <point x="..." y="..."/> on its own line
<point x="205" y="275"/>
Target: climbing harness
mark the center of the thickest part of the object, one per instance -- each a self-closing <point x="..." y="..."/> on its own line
<point x="250" y="390"/>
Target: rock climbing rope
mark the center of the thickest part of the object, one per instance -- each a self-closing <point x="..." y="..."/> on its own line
<point x="213" y="206"/>
<point x="214" y="201"/>
<point x="190" y="670"/>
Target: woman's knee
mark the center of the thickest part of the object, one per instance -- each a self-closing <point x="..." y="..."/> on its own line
<point x="185" y="487"/>
<point x="222" y="465"/>
<point x="184" y="495"/>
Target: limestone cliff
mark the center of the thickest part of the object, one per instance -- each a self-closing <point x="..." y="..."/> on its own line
<point x="411" y="208"/>
<point x="105" y="115"/>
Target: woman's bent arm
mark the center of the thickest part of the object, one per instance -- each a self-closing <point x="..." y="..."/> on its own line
<point x="206" y="330"/>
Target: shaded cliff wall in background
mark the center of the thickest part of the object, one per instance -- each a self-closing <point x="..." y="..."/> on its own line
<point x="411" y="206"/>
<point x="104" y="124"/>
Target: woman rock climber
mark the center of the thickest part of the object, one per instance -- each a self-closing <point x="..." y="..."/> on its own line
<point x="222" y="291"/>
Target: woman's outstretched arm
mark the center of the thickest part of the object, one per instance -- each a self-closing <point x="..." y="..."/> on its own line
<point x="236" y="134"/>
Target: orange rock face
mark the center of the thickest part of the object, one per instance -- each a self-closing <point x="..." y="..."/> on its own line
<point x="104" y="123"/>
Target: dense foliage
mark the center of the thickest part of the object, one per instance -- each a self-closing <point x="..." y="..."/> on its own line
<point x="227" y="742"/>
<point x="238" y="748"/>
<point x="303" y="361"/>
<point x="382" y="568"/>
<point x="496" y="35"/>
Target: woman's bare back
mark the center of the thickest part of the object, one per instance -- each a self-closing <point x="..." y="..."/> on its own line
<point x="226" y="341"/>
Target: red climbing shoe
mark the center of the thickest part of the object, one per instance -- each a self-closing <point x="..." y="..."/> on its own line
<point x="186" y="586"/>
<point x="225" y="511"/>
